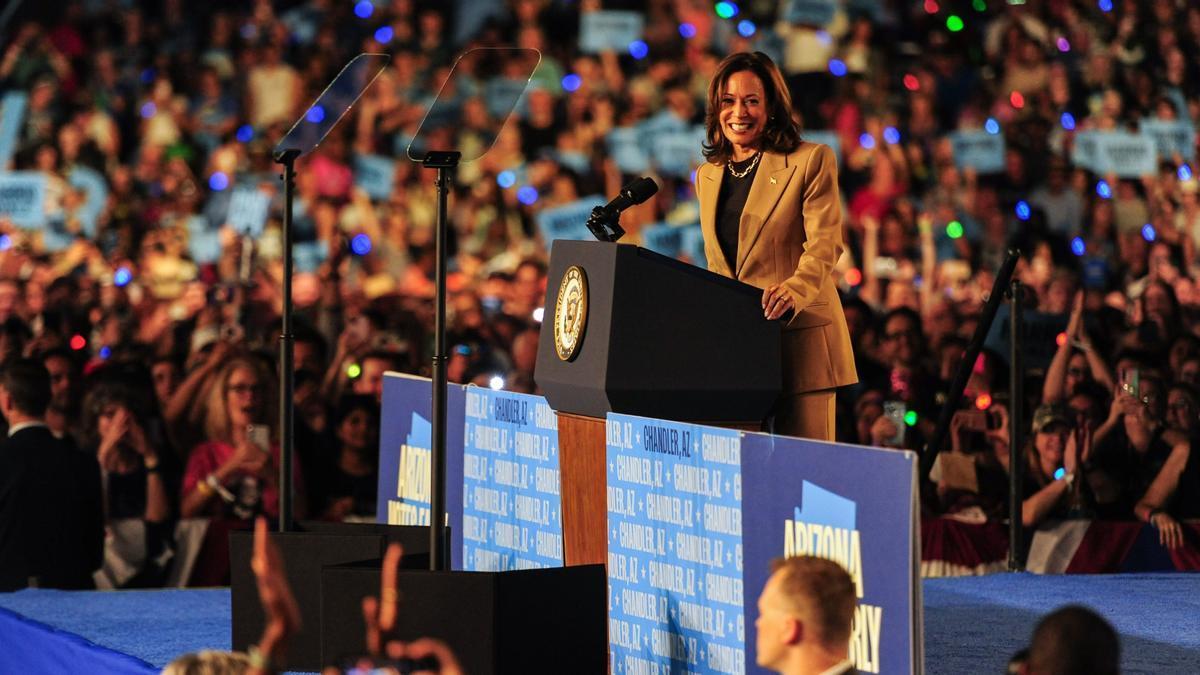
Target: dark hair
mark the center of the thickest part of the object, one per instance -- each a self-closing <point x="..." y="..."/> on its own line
<point x="781" y="132"/>
<point x="350" y="403"/>
<point x="28" y="383"/>
<point x="1074" y="640"/>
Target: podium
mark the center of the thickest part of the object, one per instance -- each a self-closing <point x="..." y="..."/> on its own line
<point x="643" y="334"/>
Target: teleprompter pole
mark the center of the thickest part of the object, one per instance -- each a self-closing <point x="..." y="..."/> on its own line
<point x="1016" y="425"/>
<point x="445" y="162"/>
<point x="286" y="349"/>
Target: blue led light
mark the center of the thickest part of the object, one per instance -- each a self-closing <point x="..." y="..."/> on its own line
<point x="505" y="179"/>
<point x="1059" y="473"/>
<point x="1068" y="121"/>
<point x="991" y="126"/>
<point x="1148" y="232"/>
<point x="571" y="82"/>
<point x="218" y="181"/>
<point x="891" y="135"/>
<point x="1184" y="173"/>
<point x="726" y="9"/>
<point x="527" y="195"/>
<point x="1078" y="247"/>
<point x="148" y="110"/>
<point x="122" y="276"/>
<point x="5" y="242"/>
<point x="687" y="30"/>
<point x="867" y="141"/>
<point x="1023" y="210"/>
<point x="245" y="133"/>
<point x="105" y="352"/>
<point x="384" y="35"/>
<point x="638" y="49"/>
<point x="315" y="114"/>
<point x="837" y="67"/>
<point x="1105" y="6"/>
<point x="1103" y="190"/>
<point x="363" y="9"/>
<point x="746" y="28"/>
<point x="360" y="244"/>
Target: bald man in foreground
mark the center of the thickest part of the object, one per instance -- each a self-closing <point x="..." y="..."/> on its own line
<point x="804" y="617"/>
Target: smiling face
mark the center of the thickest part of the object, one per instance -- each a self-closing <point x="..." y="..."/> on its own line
<point x="743" y="113"/>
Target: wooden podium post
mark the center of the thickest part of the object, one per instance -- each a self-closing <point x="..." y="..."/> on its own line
<point x="581" y="455"/>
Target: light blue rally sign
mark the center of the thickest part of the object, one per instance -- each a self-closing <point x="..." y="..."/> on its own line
<point x="512" y="511"/>
<point x="674" y="547"/>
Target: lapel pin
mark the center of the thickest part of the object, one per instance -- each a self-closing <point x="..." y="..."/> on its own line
<point x="773" y="181"/>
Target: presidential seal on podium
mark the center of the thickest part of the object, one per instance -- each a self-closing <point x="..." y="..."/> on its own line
<point x="570" y="313"/>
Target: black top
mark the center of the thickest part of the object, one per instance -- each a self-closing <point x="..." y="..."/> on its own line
<point x="730" y="203"/>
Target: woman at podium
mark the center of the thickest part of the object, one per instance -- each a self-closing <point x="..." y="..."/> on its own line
<point x="772" y="218"/>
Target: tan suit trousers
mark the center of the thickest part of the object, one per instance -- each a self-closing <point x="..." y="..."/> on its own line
<point x="807" y="415"/>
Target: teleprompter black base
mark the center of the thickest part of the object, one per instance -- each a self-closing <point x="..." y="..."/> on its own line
<point x="527" y="621"/>
<point x="305" y="552"/>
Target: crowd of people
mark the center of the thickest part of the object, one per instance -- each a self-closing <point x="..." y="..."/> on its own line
<point x="153" y="303"/>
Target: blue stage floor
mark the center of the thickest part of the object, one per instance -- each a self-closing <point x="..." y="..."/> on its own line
<point x="972" y="625"/>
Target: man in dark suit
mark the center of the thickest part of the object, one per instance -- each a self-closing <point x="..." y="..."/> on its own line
<point x="51" y="518"/>
<point x="804" y="618"/>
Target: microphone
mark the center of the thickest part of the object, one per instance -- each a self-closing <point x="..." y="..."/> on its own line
<point x="603" y="221"/>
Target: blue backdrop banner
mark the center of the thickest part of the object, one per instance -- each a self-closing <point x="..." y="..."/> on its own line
<point x="511" y="508"/>
<point x="674" y="547"/>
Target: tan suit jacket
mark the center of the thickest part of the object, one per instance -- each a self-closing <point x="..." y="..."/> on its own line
<point x="791" y="232"/>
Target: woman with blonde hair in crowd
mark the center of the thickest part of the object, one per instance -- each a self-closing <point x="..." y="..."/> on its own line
<point x="233" y="475"/>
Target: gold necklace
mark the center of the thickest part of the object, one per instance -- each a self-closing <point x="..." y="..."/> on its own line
<point x="744" y="172"/>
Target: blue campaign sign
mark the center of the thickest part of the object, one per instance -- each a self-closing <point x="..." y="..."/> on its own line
<point x="693" y="245"/>
<point x="504" y="95"/>
<point x="1171" y="137"/>
<point x="511" y="507"/>
<point x="248" y="208"/>
<point x="825" y="137"/>
<point x="663" y="238"/>
<point x="309" y="255"/>
<point x="95" y="190"/>
<point x="405" y="449"/>
<point x="809" y="12"/>
<point x="1040" y="339"/>
<point x="568" y="221"/>
<point x="676" y="153"/>
<point x="23" y="198"/>
<point x="204" y="240"/>
<point x="850" y="504"/>
<point x="375" y="174"/>
<point x="979" y="150"/>
<point x="1083" y="153"/>
<point x="609" y="30"/>
<point x="661" y="123"/>
<point x="1125" y="154"/>
<point x="12" y="118"/>
<point x="674" y="547"/>
<point x="626" y="149"/>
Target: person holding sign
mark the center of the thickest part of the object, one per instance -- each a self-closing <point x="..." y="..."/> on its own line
<point x="771" y="217"/>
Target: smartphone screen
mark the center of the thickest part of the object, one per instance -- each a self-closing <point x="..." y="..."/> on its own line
<point x="895" y="411"/>
<point x="260" y="436"/>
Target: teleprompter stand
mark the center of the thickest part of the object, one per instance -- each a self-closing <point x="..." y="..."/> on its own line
<point x="533" y="621"/>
